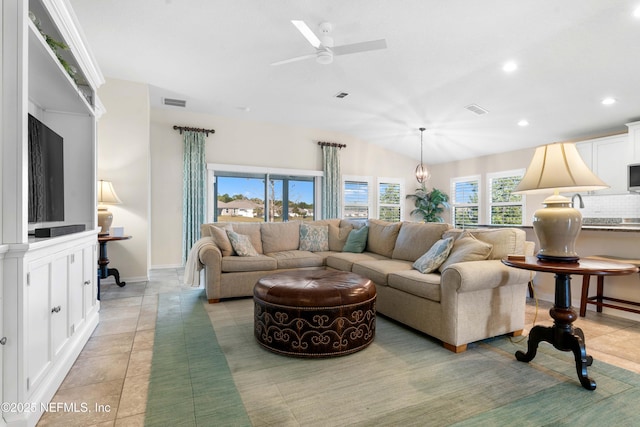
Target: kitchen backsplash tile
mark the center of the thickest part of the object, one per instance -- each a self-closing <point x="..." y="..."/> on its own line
<point x="611" y="206"/>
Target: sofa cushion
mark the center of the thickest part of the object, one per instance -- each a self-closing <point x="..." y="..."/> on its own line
<point x="382" y="237"/>
<point x="435" y="256"/>
<point x="314" y="238"/>
<point x="416" y="283"/>
<point x="357" y="240"/>
<point x="219" y="236"/>
<point x="333" y="221"/>
<point x="378" y="270"/>
<point x="416" y="238"/>
<point x="256" y="263"/>
<point x="467" y="248"/>
<point x="344" y="260"/>
<point x="251" y="229"/>
<point x="296" y="259"/>
<point x="280" y="236"/>
<point x="505" y="241"/>
<point x="338" y="236"/>
<point x="241" y="244"/>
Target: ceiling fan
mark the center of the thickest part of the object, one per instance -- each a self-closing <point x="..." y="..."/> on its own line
<point x="325" y="50"/>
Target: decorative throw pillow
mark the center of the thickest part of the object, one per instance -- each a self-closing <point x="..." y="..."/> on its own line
<point x="314" y="238"/>
<point x="241" y="244"/>
<point x="467" y="248"/>
<point x="338" y="236"/>
<point x="220" y="238"/>
<point x="357" y="240"/>
<point x="434" y="257"/>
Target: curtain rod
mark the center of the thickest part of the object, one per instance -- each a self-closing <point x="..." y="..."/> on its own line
<point x="183" y="128"/>
<point x="331" y="144"/>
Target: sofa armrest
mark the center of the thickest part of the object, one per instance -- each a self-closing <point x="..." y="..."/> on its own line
<point x="476" y="275"/>
<point x="211" y="257"/>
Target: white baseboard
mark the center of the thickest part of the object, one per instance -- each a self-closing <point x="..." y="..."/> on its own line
<point x="166" y="266"/>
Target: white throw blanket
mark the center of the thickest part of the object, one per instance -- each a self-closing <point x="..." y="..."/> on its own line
<point x="193" y="265"/>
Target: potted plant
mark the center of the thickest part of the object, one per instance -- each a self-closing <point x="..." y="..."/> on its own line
<point x="429" y="204"/>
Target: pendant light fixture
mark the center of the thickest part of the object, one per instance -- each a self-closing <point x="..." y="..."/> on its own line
<point x="422" y="173"/>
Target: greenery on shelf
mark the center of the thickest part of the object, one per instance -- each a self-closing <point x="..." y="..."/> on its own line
<point x="56" y="46"/>
<point x="429" y="204"/>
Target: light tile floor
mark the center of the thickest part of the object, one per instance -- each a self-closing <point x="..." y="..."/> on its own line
<point x="113" y="369"/>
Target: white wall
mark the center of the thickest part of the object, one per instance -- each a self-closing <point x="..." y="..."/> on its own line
<point x="250" y="143"/>
<point x="123" y="158"/>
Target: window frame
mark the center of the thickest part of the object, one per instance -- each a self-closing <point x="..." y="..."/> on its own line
<point x="370" y="202"/>
<point x="212" y="168"/>
<point x="490" y="204"/>
<point x="455" y="205"/>
<point x="401" y="204"/>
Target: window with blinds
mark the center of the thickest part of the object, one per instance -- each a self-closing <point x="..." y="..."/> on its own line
<point x="356" y="199"/>
<point x="465" y="193"/>
<point x="505" y="208"/>
<point x="389" y="197"/>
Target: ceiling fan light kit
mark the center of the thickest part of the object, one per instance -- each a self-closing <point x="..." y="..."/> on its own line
<point x="325" y="50"/>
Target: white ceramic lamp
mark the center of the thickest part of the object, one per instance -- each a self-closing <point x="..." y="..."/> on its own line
<point x="106" y="195"/>
<point x="555" y="168"/>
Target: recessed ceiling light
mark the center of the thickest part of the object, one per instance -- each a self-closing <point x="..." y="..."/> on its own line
<point x="523" y="123"/>
<point x="509" y="67"/>
<point x="608" y="101"/>
<point x="636" y="12"/>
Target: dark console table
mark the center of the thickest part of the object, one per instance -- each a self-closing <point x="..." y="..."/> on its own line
<point x="103" y="261"/>
<point x="562" y="335"/>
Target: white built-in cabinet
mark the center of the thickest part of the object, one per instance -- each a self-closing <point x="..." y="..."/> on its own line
<point x="608" y="157"/>
<point x="48" y="286"/>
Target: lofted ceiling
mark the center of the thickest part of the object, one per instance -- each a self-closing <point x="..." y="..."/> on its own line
<point x="441" y="56"/>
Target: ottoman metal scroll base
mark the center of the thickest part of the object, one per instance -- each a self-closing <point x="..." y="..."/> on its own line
<point x="314" y="313"/>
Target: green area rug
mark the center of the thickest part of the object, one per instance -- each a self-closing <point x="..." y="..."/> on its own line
<point x="190" y="383"/>
<point x="402" y="378"/>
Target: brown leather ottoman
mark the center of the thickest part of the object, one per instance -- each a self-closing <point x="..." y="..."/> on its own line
<point x="314" y="313"/>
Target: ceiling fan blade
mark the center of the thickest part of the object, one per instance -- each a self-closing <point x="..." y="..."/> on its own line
<point x="297" y="58"/>
<point x="307" y="33"/>
<point x="346" y="49"/>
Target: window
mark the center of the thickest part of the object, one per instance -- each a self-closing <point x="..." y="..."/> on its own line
<point x="252" y="194"/>
<point x="357" y="197"/>
<point x="390" y="195"/>
<point x="505" y="208"/>
<point x="465" y="201"/>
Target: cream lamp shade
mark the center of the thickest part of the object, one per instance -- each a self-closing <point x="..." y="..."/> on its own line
<point x="106" y="195"/>
<point x="557" y="168"/>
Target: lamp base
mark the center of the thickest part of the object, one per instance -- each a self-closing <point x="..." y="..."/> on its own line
<point x="557" y="226"/>
<point x="105" y="219"/>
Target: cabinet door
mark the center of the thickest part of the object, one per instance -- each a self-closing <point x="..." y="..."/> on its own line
<point x="76" y="290"/>
<point x="38" y="318"/>
<point x="59" y="308"/>
<point x="90" y="282"/>
<point x="610" y="159"/>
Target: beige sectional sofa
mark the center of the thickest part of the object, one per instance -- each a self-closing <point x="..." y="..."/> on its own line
<point x="472" y="297"/>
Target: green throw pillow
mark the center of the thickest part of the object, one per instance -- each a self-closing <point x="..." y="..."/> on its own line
<point x="241" y="244"/>
<point x="314" y="238"/>
<point x="357" y="240"/>
<point x="434" y="257"/>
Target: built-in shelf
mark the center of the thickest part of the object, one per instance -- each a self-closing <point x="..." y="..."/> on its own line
<point x="50" y="86"/>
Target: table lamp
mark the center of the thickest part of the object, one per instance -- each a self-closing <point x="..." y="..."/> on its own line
<point x="106" y="195"/>
<point x="554" y="168"/>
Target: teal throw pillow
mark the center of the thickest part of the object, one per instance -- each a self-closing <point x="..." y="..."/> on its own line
<point x="434" y="257"/>
<point x="357" y="240"/>
<point x="241" y="244"/>
<point x="314" y="238"/>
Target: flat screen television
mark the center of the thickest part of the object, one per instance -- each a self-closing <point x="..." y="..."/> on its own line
<point x="46" y="173"/>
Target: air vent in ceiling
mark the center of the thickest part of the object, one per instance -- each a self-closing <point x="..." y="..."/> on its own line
<point x="342" y="95"/>
<point x="174" y="102"/>
<point x="476" y="109"/>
